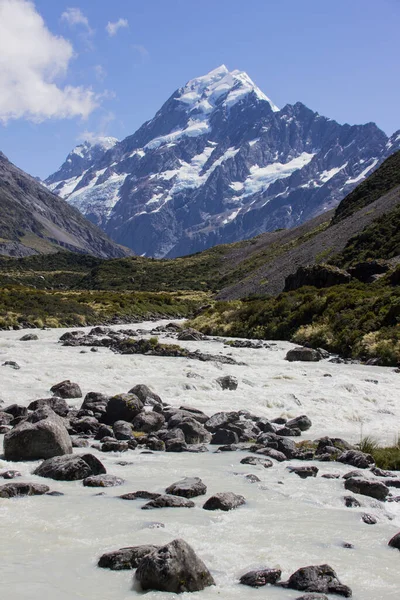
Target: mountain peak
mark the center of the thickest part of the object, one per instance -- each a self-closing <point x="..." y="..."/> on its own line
<point x="102" y="142"/>
<point x="219" y="86"/>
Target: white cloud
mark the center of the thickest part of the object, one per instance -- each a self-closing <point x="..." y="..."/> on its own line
<point x="74" y="16"/>
<point x="143" y="52"/>
<point x="112" y="28"/>
<point x="32" y="60"/>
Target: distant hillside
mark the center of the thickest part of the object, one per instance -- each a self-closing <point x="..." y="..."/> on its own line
<point x="33" y="220"/>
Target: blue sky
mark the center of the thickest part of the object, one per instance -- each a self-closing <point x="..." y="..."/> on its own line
<point x="95" y="67"/>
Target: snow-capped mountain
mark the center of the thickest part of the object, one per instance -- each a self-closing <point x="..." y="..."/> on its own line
<point x="218" y="163"/>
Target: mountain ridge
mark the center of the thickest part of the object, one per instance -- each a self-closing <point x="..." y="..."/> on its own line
<point x="218" y="163"/>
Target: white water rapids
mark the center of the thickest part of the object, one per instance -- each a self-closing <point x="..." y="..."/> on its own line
<point x="50" y="545"/>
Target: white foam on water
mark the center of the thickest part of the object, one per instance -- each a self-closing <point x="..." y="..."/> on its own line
<point x="51" y="544"/>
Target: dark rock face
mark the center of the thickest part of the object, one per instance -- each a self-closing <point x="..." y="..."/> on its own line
<point x="71" y="467"/>
<point x="123" y="407"/>
<point x="367" y="487"/>
<point x="189" y="487"/>
<point x="148" y="422"/>
<point x="260" y="578"/>
<point x="303" y="354"/>
<point x="219" y="147"/>
<point x="67" y="389"/>
<point x="320" y="579"/>
<point x="224" y="501"/>
<point x="125" y="558"/>
<point x="365" y="271"/>
<point x="167" y="501"/>
<point x="357" y="459"/>
<point x="174" y="568"/>
<point x="319" y="276"/>
<point x="12" y="490"/>
<point x="44" y="438"/>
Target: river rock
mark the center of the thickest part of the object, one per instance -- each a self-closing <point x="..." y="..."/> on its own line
<point x="66" y="389"/>
<point x="256" y="460"/>
<point x="59" y="405"/>
<point x="11" y="490"/>
<point x="125" y="558"/>
<point x="320" y="579"/>
<point x="70" y="467"/>
<point x="367" y="487"/>
<point x="174" y="568"/>
<point x="148" y="422"/>
<point x="122" y="430"/>
<point x="395" y="541"/>
<point x="44" y="438"/>
<point x="194" y="432"/>
<point x="188" y="487"/>
<point x="304" y="472"/>
<point x="145" y="394"/>
<point x="123" y="407"/>
<point x="228" y="382"/>
<point x="351" y="502"/>
<point x="167" y="501"/>
<point x="369" y="519"/>
<point x="224" y="436"/>
<point x="356" y="458"/>
<point x="303" y="354"/>
<point x="29" y="337"/>
<point x="224" y="501"/>
<point x="261" y="577"/>
<point x="302" y="422"/>
<point x="102" y="481"/>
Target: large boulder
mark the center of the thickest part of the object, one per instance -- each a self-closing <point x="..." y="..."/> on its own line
<point x="319" y="276"/>
<point x="59" y="405"/>
<point x="66" y="389"/>
<point x="194" y="432"/>
<point x="174" y="568"/>
<point x="145" y="394"/>
<point x="366" y="271"/>
<point x="303" y="354"/>
<point x="123" y="407"/>
<point x="70" y="467"/>
<point x="356" y="458"/>
<point x="188" y="487"/>
<point x="224" y="501"/>
<point x="321" y="579"/>
<point x="261" y="577"/>
<point x="43" y="438"/>
<point x="148" y="422"/>
<point x="168" y="501"/>
<point x="395" y="541"/>
<point x="125" y="558"/>
<point x="302" y="422"/>
<point x="367" y="487"/>
<point x="12" y="490"/>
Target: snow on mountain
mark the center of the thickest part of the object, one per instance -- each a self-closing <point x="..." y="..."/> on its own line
<point x="219" y="162"/>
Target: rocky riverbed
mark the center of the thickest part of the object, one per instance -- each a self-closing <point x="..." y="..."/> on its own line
<point x="52" y="543"/>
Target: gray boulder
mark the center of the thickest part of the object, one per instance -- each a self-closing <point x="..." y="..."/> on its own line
<point x="320" y="579"/>
<point x="148" y="422"/>
<point x="395" y="541"/>
<point x="102" y="481"/>
<point x="261" y="577"/>
<point x="302" y="422"/>
<point x="12" y="490"/>
<point x="188" y="487"/>
<point x="194" y="432"/>
<point x="224" y="501"/>
<point x="122" y="430"/>
<point x="70" y="467"/>
<point x="28" y="337"/>
<point x="303" y="354"/>
<point x="66" y="389"/>
<point x="44" y="438"/>
<point x="304" y="472"/>
<point x="145" y="394"/>
<point x="228" y="382"/>
<point x="356" y="458"/>
<point x="167" y="501"/>
<point x="123" y="407"/>
<point x="125" y="558"/>
<point x="367" y="487"/>
<point x="257" y="460"/>
<point x="59" y="405"/>
<point x="174" y="568"/>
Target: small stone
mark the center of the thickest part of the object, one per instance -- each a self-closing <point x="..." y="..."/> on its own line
<point x="102" y="481"/>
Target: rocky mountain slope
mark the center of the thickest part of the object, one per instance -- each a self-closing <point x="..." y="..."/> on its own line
<point x="218" y="163"/>
<point x="34" y="220"/>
